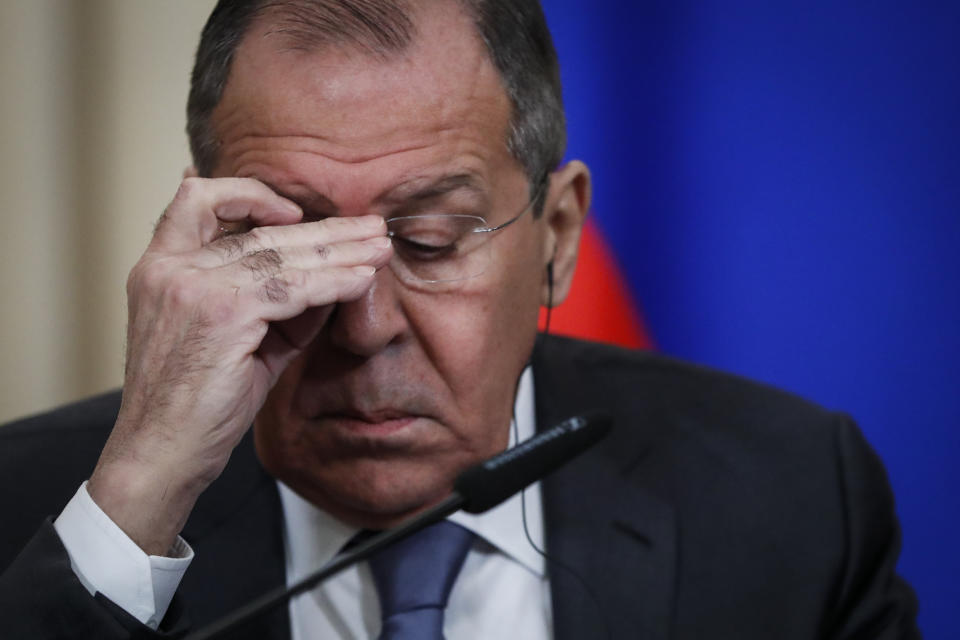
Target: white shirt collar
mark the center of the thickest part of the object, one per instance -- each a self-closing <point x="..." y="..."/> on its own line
<point x="313" y="537"/>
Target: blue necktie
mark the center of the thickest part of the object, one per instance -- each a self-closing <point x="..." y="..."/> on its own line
<point x="414" y="578"/>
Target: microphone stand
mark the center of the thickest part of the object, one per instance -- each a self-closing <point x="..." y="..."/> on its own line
<point x="361" y="551"/>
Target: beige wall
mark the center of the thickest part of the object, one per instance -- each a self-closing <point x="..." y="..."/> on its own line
<point x="91" y="149"/>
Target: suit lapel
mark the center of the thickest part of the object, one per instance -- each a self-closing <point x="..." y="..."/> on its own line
<point x="621" y="543"/>
<point x="601" y="522"/>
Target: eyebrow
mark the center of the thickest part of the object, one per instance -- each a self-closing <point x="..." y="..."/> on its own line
<point x="415" y="191"/>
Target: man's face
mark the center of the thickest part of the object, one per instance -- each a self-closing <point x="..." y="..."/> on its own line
<point x="408" y="385"/>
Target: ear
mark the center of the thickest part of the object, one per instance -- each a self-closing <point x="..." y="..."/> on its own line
<point x="565" y="210"/>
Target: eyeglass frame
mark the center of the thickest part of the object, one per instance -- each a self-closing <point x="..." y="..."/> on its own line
<point x="538" y="194"/>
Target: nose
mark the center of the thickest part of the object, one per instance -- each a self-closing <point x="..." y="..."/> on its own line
<point x="368" y="325"/>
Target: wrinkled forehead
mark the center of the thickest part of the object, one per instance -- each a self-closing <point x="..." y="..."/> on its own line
<point x="439" y="82"/>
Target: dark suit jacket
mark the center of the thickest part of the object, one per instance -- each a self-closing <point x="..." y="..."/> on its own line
<point x="717" y="508"/>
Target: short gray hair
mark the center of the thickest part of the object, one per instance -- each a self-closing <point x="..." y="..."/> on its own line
<point x="514" y="33"/>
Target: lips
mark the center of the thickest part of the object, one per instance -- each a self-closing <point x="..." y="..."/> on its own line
<point x="363" y="410"/>
<point x="372" y="417"/>
<point x="368" y="423"/>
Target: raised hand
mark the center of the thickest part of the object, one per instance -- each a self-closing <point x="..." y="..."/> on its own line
<point x="214" y="318"/>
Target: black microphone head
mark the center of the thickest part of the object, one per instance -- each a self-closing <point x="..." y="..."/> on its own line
<point x="489" y="483"/>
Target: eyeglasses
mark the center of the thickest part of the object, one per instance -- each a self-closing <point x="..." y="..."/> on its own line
<point x="444" y="247"/>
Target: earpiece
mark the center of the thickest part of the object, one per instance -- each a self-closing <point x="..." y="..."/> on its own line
<point x="546" y="323"/>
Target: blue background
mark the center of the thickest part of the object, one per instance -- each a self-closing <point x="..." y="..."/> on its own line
<point x="781" y="184"/>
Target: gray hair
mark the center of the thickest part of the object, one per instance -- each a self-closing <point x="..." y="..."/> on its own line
<point x="514" y="33"/>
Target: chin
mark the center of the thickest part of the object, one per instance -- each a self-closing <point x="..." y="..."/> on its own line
<point x="368" y="493"/>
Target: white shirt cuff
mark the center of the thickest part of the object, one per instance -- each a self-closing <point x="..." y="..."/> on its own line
<point x="107" y="561"/>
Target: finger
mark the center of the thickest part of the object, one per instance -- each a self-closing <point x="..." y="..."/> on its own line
<point x="372" y="251"/>
<point x="200" y="205"/>
<point x="290" y="292"/>
<point x="271" y="263"/>
<point x="311" y="236"/>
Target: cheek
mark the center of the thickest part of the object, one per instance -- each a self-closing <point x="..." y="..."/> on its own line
<point x="472" y="334"/>
<point x="479" y="340"/>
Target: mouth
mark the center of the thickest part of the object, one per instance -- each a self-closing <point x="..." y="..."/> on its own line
<point x="372" y="423"/>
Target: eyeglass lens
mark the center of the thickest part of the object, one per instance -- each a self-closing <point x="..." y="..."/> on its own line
<point x="438" y="247"/>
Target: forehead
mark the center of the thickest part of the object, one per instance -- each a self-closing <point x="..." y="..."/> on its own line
<point x="438" y="101"/>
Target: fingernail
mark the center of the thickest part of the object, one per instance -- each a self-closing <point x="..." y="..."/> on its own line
<point x="291" y="206"/>
<point x="366" y="271"/>
<point x="374" y="222"/>
<point x="380" y="242"/>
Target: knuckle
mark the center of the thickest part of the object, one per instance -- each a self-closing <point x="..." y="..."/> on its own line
<point x="297" y="279"/>
<point x="258" y="237"/>
<point x="230" y="245"/>
<point x="187" y="192"/>
<point x="165" y="284"/>
<point x="182" y="293"/>
<point x="263" y="263"/>
<point x="150" y="275"/>
<point x="188" y="188"/>
<point x="274" y="290"/>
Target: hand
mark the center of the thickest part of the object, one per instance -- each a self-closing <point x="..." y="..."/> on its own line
<point x="213" y="322"/>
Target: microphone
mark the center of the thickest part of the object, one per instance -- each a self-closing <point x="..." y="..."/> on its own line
<point x="476" y="490"/>
<point x="489" y="483"/>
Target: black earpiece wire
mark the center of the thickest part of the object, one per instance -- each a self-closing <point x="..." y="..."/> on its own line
<point x="608" y="632"/>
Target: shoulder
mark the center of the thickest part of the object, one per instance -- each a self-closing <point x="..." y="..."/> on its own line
<point x="68" y="431"/>
<point x="761" y="483"/>
<point x="44" y="458"/>
<point x="82" y="415"/>
<point x="719" y="447"/>
<point x="666" y="393"/>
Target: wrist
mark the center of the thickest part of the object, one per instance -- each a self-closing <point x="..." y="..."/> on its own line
<point x="149" y="504"/>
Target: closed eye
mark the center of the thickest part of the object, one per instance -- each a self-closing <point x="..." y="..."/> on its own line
<point x="433" y="237"/>
<point x="414" y="249"/>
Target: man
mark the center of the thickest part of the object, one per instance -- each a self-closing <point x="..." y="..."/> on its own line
<point x="358" y="274"/>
